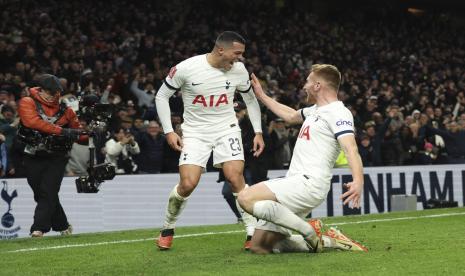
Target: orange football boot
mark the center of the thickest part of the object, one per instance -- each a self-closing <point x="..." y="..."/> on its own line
<point x="343" y="242"/>
<point x="165" y="239"/>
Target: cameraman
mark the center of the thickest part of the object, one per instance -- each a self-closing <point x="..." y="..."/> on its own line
<point x="48" y="130"/>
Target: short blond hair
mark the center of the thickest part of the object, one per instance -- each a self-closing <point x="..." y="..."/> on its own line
<point x="329" y="73"/>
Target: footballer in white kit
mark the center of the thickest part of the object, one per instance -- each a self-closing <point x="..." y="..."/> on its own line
<point x="282" y="204"/>
<point x="207" y="84"/>
<point x="308" y="179"/>
<point x="210" y="123"/>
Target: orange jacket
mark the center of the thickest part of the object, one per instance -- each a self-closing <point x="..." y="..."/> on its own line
<point x="30" y="117"/>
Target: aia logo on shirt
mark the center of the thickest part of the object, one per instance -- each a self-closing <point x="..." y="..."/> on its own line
<point x="172" y="72"/>
<point x="211" y="101"/>
<point x="304" y="133"/>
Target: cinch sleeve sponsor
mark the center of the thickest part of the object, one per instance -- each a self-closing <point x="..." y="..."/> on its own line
<point x="341" y="122"/>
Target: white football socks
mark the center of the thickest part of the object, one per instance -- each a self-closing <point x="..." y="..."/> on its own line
<point x="249" y="221"/>
<point x="279" y="214"/>
<point x="176" y="204"/>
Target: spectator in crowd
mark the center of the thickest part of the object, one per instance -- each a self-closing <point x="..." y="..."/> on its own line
<point x="409" y="146"/>
<point x="16" y="167"/>
<point x="151" y="143"/>
<point x="138" y="126"/>
<point x="8" y="124"/>
<point x="391" y="147"/>
<point x="374" y="145"/>
<point x="427" y="157"/>
<point x="120" y="150"/>
<point x="378" y="137"/>
<point x="146" y="96"/>
<point x="127" y="124"/>
<point x="3" y="157"/>
<point x="366" y="150"/>
<point x="370" y="108"/>
<point x="4" y="97"/>
<point x="279" y="135"/>
<point x="131" y="110"/>
<point x="454" y="140"/>
<point x="110" y="55"/>
<point x="461" y="121"/>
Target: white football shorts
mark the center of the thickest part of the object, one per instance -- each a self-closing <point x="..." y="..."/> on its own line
<point x="197" y="150"/>
<point x="299" y="193"/>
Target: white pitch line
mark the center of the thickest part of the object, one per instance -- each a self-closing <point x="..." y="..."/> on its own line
<point x="221" y="233"/>
<point x="401" y="218"/>
<point x="119" y="241"/>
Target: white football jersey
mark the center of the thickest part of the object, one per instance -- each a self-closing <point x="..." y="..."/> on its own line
<point x="317" y="148"/>
<point x="208" y="94"/>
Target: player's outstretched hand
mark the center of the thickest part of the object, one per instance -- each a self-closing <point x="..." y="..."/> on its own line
<point x="353" y="194"/>
<point x="174" y="141"/>
<point x="258" y="144"/>
<point x="257" y="87"/>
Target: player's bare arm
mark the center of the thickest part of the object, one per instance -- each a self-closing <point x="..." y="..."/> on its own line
<point x="354" y="188"/>
<point x="288" y="114"/>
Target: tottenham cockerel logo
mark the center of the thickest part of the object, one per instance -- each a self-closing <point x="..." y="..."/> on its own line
<point x="8" y="220"/>
<point x="7" y="231"/>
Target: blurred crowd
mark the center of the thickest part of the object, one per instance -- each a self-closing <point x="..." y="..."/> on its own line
<point x="403" y="74"/>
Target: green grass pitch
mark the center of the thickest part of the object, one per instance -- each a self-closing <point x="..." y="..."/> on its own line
<point x="428" y="242"/>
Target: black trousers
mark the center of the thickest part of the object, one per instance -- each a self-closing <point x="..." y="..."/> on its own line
<point x="44" y="175"/>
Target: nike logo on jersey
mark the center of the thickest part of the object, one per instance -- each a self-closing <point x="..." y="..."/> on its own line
<point x="234" y="154"/>
<point x="194" y="84"/>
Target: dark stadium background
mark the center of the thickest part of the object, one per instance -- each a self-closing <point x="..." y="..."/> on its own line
<point x="406" y="57"/>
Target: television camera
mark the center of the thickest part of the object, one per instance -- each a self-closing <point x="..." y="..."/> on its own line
<point x="96" y="115"/>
